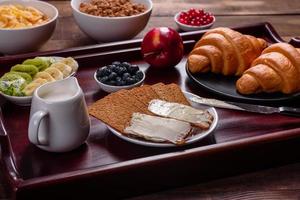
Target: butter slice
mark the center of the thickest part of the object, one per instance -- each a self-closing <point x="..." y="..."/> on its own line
<point x="158" y="128"/>
<point x="197" y="117"/>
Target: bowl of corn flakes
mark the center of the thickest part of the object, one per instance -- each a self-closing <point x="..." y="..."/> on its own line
<point x="25" y="25"/>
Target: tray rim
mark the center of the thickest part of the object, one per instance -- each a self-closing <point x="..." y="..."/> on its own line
<point x="7" y="157"/>
<point x="79" y="52"/>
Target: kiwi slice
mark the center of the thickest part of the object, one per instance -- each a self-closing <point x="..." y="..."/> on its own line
<point x="12" y="84"/>
<point x="40" y="63"/>
<point x="29" y="69"/>
<point x="24" y="75"/>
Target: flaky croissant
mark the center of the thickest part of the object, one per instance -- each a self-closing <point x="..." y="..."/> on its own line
<point x="225" y="51"/>
<point x="277" y="69"/>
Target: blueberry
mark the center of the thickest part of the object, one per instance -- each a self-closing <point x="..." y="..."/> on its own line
<point x="112" y="76"/>
<point x="133" y="69"/>
<point x="139" y="74"/>
<point x="126" y="64"/>
<point x="125" y="76"/>
<point x="116" y="63"/>
<point x="111" y="82"/>
<point x="136" y="79"/>
<point x="121" y="71"/>
<point x="130" y="81"/>
<point x="104" y="71"/>
<point x="103" y="79"/>
<point x="123" y="82"/>
<point x="119" y="81"/>
<point x="113" y="68"/>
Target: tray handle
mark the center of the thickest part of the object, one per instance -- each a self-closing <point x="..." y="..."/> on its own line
<point x="6" y="156"/>
<point x="295" y="41"/>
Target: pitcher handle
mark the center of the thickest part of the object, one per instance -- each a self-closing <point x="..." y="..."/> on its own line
<point x="34" y="125"/>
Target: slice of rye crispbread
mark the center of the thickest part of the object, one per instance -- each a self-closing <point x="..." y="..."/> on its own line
<point x="144" y="94"/>
<point x="170" y="92"/>
<point x="132" y="100"/>
<point x="113" y="111"/>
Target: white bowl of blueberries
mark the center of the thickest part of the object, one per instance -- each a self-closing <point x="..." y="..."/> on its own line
<point x="119" y="75"/>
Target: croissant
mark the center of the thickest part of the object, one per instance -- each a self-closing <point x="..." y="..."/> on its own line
<point x="222" y="50"/>
<point x="276" y="70"/>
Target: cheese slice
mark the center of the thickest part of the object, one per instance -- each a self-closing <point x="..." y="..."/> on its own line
<point x="158" y="128"/>
<point x="197" y="117"/>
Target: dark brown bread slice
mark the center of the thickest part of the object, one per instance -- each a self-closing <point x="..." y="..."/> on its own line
<point x="113" y="111"/>
<point x="170" y="92"/>
<point x="157" y="86"/>
<point x="133" y="101"/>
<point x="144" y="94"/>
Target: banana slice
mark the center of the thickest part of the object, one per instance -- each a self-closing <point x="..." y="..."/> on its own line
<point x="71" y="62"/>
<point x="29" y="89"/>
<point x="65" y="69"/>
<point x="55" y="73"/>
<point x="44" y="75"/>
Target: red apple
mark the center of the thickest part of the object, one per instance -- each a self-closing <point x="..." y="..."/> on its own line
<point x="162" y="47"/>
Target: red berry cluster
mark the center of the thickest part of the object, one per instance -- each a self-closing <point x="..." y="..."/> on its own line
<point x="195" y="17"/>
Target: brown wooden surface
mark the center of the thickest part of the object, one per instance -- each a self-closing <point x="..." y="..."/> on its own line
<point x="280" y="183"/>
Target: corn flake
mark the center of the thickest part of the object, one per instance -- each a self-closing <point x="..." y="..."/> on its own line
<point x="18" y="16"/>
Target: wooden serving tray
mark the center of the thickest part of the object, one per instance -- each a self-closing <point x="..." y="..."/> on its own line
<point x="108" y="167"/>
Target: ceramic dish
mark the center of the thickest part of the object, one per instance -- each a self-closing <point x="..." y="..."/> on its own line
<point x="192" y="139"/>
<point x="21" y="40"/>
<point x="112" y="88"/>
<point x="186" y="27"/>
<point x="26" y="100"/>
<point x="109" y="29"/>
<point x="225" y="86"/>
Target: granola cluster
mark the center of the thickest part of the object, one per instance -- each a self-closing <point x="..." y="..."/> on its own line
<point x="112" y="8"/>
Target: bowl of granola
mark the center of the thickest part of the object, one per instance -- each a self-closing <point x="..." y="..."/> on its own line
<point x="111" y="20"/>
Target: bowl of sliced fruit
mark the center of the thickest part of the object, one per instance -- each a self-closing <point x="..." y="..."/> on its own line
<point x="119" y="75"/>
<point x="19" y="83"/>
<point x="194" y="19"/>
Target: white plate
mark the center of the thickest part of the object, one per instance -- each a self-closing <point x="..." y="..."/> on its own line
<point x="191" y="140"/>
<point x="26" y="100"/>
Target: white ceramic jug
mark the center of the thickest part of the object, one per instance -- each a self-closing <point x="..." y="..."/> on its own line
<point x="59" y="120"/>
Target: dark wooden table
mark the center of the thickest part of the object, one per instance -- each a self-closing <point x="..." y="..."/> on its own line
<point x="281" y="182"/>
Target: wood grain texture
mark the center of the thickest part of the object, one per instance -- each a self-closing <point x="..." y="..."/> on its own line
<point x="272" y="184"/>
<point x="69" y="35"/>
<point x="278" y="183"/>
<point x="284" y="16"/>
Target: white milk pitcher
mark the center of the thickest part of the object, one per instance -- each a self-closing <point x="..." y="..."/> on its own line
<point x="59" y="120"/>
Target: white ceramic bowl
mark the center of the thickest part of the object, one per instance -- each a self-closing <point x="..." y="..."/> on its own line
<point x="13" y="41"/>
<point x="21" y="101"/>
<point x="185" y="27"/>
<point x="112" y="88"/>
<point x="108" y="29"/>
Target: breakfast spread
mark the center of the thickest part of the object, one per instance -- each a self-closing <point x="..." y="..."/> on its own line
<point x="155" y="128"/>
<point x="18" y="16"/>
<point x="119" y="74"/>
<point x="181" y="112"/>
<point x="195" y="17"/>
<point x="225" y="51"/>
<point x="112" y="8"/>
<point x="24" y="78"/>
<point x="277" y="69"/>
<point x="134" y="113"/>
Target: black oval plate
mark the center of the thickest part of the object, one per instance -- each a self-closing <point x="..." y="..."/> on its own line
<point x="225" y="86"/>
